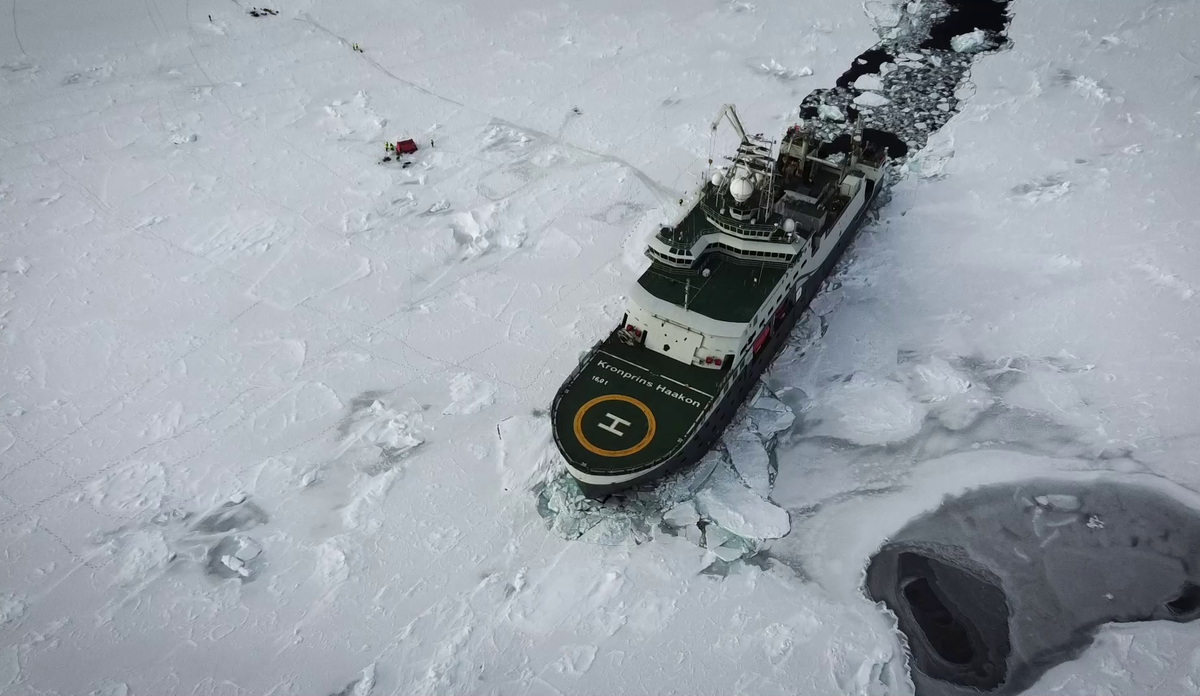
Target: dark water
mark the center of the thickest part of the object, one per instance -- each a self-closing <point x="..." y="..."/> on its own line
<point x="965" y="17"/>
<point x="1001" y="584"/>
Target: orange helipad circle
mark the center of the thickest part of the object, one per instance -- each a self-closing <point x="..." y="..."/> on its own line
<point x="607" y="452"/>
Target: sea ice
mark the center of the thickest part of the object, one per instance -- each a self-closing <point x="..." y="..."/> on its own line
<point x="871" y="99"/>
<point x="868" y="83"/>
<point x="829" y="112"/>
<point x="972" y="42"/>
<point x="769" y="415"/>
<point x="749" y="457"/>
<point x="733" y="506"/>
<point x="681" y="515"/>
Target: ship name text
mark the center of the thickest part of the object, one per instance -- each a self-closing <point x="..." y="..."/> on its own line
<point x="647" y="383"/>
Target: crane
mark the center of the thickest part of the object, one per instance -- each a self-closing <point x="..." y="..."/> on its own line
<point x="728" y="110"/>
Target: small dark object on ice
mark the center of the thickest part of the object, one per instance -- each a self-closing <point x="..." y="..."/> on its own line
<point x="210" y="19"/>
<point x="406" y="165"/>
<point x="254" y="13"/>
<point x="387" y="159"/>
<point x="575" y="110"/>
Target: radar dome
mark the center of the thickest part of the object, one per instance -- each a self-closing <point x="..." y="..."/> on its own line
<point x="740" y="189"/>
<point x="789" y="225"/>
<point x="718" y="178"/>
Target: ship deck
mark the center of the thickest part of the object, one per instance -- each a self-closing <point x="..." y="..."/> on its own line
<point x="629" y="408"/>
<point x="733" y="291"/>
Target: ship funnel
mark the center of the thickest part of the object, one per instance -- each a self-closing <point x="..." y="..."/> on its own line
<point x="741" y="188"/>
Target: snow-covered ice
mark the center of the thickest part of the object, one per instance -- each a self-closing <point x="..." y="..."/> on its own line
<point x="273" y="411"/>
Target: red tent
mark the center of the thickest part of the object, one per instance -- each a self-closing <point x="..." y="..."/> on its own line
<point x="406" y="147"/>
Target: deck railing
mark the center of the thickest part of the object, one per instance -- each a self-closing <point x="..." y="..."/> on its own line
<point x="743" y="229"/>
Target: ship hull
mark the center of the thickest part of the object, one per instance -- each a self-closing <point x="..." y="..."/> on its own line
<point x="722" y="413"/>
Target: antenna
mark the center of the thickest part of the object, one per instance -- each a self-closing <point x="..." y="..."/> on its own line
<point x="687" y="291"/>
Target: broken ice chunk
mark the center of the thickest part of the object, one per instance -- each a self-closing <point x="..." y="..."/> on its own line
<point x="237" y="565"/>
<point x="871" y="99"/>
<point x="770" y="415"/>
<point x="885" y="15"/>
<point x="682" y="515"/>
<point x="235" y="556"/>
<point x="868" y="82"/>
<point x="609" y="531"/>
<point x="730" y="551"/>
<point x="750" y="460"/>
<point x="971" y="43"/>
<point x="729" y="504"/>
<point x="715" y="535"/>
<point x="248" y="551"/>
<point x="830" y="112"/>
<point x="689" y="481"/>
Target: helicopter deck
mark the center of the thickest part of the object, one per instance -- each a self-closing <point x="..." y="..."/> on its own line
<point x="629" y="408"/>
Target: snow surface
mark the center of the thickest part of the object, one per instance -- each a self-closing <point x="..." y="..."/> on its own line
<point x="272" y="410"/>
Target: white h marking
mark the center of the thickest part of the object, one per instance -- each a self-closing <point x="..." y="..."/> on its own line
<point x="612" y="427"/>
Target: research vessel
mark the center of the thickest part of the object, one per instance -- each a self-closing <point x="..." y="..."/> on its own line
<point x="726" y="283"/>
